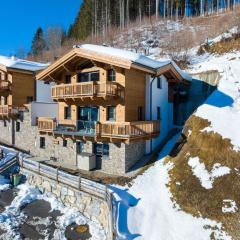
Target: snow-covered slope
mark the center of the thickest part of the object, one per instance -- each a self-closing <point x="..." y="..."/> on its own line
<point x="147" y="209"/>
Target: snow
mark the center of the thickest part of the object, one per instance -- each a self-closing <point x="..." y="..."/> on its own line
<point x="222" y="108"/>
<point x="146" y="210"/>
<point x="13" y="62"/>
<point x="135" y="58"/>
<point x="205" y="177"/>
<point x="12" y="217"/>
<point x="229" y="206"/>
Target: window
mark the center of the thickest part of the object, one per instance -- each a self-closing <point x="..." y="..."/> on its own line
<point x="68" y="79"/>
<point x="111" y="113"/>
<point x="42" y="142"/>
<point x="111" y="75"/>
<point x="80" y="147"/>
<point x="64" y="143"/>
<point x="106" y="149"/>
<point x="67" y="112"/>
<point x="17" y="126"/>
<point x="88" y="76"/>
<point x="5" y="100"/>
<point x="159" y="82"/>
<point x="140" y="114"/>
<point x="29" y="99"/>
<point x="158" y="113"/>
<point x="5" y="123"/>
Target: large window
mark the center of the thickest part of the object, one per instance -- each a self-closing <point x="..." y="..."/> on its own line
<point x="111" y="75"/>
<point x="88" y="76"/>
<point x="67" y="112"/>
<point x="111" y="113"/>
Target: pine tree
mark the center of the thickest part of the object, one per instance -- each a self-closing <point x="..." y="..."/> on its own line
<point x="38" y="43"/>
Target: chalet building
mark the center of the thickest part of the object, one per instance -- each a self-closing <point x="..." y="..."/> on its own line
<point x="114" y="107"/>
<point x="18" y="87"/>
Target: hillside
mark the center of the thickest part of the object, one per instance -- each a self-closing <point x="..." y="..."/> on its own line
<point x="191" y="192"/>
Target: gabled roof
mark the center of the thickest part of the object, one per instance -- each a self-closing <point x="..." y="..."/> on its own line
<point x="116" y="57"/>
<point x="21" y="64"/>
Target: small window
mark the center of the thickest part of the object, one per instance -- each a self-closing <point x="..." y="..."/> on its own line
<point x="68" y="79"/>
<point x="17" y="126"/>
<point x="111" y="75"/>
<point x="80" y="147"/>
<point x="106" y="149"/>
<point x="5" y="100"/>
<point x="29" y="99"/>
<point x="159" y="83"/>
<point x="67" y="112"/>
<point x="140" y="114"/>
<point x="158" y="113"/>
<point x="111" y="113"/>
<point x="5" y="123"/>
<point x="64" y="143"/>
<point x="42" y="142"/>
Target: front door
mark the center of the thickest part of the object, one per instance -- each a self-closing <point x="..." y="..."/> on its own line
<point x="87" y="118"/>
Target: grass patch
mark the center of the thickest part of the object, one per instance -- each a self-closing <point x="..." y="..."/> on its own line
<point x="211" y="148"/>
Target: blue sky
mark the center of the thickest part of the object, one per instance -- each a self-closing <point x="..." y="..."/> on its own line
<point x="19" y="20"/>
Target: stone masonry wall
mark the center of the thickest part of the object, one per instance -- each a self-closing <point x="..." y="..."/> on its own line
<point x="6" y="131"/>
<point x="91" y="207"/>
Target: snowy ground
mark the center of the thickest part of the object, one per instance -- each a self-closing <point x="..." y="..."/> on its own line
<point x="13" y="216"/>
<point x="146" y="209"/>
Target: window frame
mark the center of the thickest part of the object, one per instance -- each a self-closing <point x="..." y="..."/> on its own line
<point x="67" y="113"/>
<point x="89" y="76"/>
<point x="111" y="75"/>
<point x="113" y="119"/>
<point x="159" y="83"/>
<point x="42" y="142"/>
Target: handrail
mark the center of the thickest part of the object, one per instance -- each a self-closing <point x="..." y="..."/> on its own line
<point x="86" y="89"/>
<point x="46" y="124"/>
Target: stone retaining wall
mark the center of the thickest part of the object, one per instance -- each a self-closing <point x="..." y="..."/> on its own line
<point x="90" y="206"/>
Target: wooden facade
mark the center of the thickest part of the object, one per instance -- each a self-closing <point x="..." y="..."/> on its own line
<point x="126" y="94"/>
<point x="17" y="88"/>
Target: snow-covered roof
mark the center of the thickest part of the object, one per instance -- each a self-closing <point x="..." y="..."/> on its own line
<point x="21" y="64"/>
<point x="135" y="58"/>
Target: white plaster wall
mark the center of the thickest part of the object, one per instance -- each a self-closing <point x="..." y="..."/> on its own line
<point x="43" y="109"/>
<point x="43" y="91"/>
<point x="159" y="99"/>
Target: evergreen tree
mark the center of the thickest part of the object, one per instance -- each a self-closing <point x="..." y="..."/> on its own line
<point x="38" y="43"/>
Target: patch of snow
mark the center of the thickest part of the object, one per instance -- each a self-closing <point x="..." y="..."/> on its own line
<point x="222" y="108"/>
<point x="229" y="206"/>
<point x="205" y="177"/>
<point x="146" y="210"/>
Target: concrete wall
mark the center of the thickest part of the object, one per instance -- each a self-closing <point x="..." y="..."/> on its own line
<point x="91" y="207"/>
<point x="43" y="109"/>
<point x="43" y="92"/>
<point x="159" y="99"/>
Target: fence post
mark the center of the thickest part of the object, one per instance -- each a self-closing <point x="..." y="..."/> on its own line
<point x="79" y="182"/>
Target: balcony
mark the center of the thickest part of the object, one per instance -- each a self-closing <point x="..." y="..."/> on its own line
<point x="87" y="90"/>
<point x="9" y="111"/>
<point x="46" y="124"/>
<point x="4" y="87"/>
<point x="112" y="131"/>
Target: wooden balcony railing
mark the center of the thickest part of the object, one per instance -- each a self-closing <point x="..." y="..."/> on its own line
<point x="129" y="130"/>
<point x="9" y="111"/>
<point x="87" y="89"/>
<point x="4" y="86"/>
<point x="46" y="124"/>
